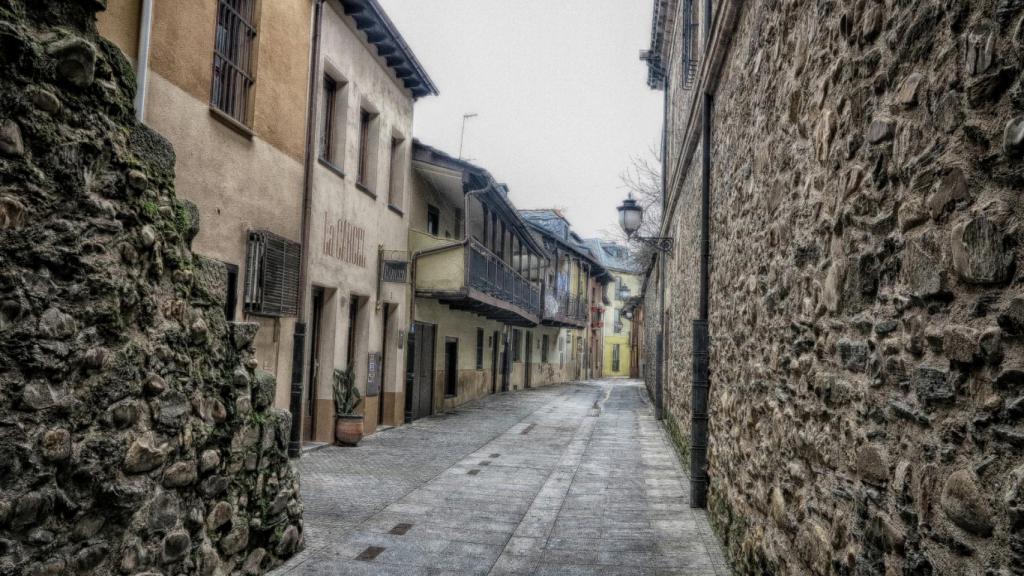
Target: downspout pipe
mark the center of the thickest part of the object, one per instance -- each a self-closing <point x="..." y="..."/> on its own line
<point x="299" y="338"/>
<point x="142" y="62"/>
<point x="699" y="427"/>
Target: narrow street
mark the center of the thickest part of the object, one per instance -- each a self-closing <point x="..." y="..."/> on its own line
<point x="576" y="479"/>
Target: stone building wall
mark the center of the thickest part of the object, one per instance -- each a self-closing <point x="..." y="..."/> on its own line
<point x="136" y="436"/>
<point x="867" y="288"/>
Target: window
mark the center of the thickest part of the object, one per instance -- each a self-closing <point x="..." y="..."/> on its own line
<point x="433" y="220"/>
<point x="479" y="348"/>
<point x="233" y="58"/>
<point x="516" y="339"/>
<point x="544" y="348"/>
<point x="618" y="321"/>
<point x="458" y="223"/>
<point x="330" y="118"/>
<point x="396" y="191"/>
<point x="615" y="357"/>
<point x="364" y="174"/>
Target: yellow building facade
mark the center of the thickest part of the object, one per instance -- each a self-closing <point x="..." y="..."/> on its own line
<point x="618" y="328"/>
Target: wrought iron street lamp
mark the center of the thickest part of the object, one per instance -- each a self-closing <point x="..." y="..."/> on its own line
<point x="631" y="216"/>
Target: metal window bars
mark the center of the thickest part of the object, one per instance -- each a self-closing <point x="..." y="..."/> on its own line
<point x="233" y="57"/>
<point x="690" y="46"/>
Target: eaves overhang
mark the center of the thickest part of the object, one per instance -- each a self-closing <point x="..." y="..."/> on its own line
<point x="382" y="33"/>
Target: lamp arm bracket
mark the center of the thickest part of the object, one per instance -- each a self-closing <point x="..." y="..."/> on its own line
<point x="660" y="243"/>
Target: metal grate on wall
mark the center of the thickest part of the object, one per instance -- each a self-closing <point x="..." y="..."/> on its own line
<point x="691" y="31"/>
<point x="272" y="274"/>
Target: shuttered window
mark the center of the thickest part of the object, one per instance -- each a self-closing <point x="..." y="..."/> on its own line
<point x="272" y="274"/>
<point x="234" y="56"/>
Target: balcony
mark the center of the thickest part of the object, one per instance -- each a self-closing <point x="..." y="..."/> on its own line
<point x="472" y="278"/>
<point x="565" y="310"/>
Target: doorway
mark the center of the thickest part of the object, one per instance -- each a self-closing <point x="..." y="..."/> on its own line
<point x="309" y="421"/>
<point x="495" y="351"/>
<point x="383" y="368"/>
<point x="528" y="367"/>
<point x="506" y="360"/>
<point x="419" y="375"/>
<point x="451" y="367"/>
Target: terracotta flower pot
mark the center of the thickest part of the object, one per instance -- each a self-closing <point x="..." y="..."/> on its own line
<point x="348" y="430"/>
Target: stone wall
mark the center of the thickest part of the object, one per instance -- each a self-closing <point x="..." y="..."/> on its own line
<point x="867" y="288"/>
<point x="135" y="434"/>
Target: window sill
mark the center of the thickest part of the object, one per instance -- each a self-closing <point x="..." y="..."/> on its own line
<point x="332" y="167"/>
<point x="362" y="188"/>
<point x="449" y="396"/>
<point x="396" y="210"/>
<point x="230" y="122"/>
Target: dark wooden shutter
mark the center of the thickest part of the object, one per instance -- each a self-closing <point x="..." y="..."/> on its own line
<point x="272" y="274"/>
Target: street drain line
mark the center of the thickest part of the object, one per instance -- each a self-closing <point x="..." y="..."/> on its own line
<point x="370" y="553"/>
<point x="400" y="529"/>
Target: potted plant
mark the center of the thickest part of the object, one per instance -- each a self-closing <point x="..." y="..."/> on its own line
<point x="348" y="424"/>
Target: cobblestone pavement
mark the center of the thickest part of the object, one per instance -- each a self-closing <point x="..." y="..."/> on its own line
<point x="566" y="480"/>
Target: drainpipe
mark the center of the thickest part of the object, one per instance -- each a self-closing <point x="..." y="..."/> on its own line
<point x="299" y="338"/>
<point x="142" y="64"/>
<point x="701" y="340"/>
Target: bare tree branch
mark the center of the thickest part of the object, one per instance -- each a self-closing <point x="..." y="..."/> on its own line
<point x="643" y="180"/>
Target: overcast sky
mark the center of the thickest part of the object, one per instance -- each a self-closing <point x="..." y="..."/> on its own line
<point x="560" y="91"/>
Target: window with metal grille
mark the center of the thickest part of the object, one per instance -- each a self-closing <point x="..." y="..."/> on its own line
<point x="233" y="57"/>
<point x="544" y="348"/>
<point x="272" y="274"/>
<point x="516" y="352"/>
<point x="327" y="131"/>
<point x="479" y="348"/>
<point x="615" y="357"/>
<point x="690" y="46"/>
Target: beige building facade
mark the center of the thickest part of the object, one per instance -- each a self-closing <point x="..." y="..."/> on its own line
<point x="358" y="307"/>
<point x="228" y="89"/>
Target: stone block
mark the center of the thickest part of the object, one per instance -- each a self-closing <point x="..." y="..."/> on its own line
<point x="965" y="505"/>
<point x="979" y="252"/>
<point x="934" y="385"/>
